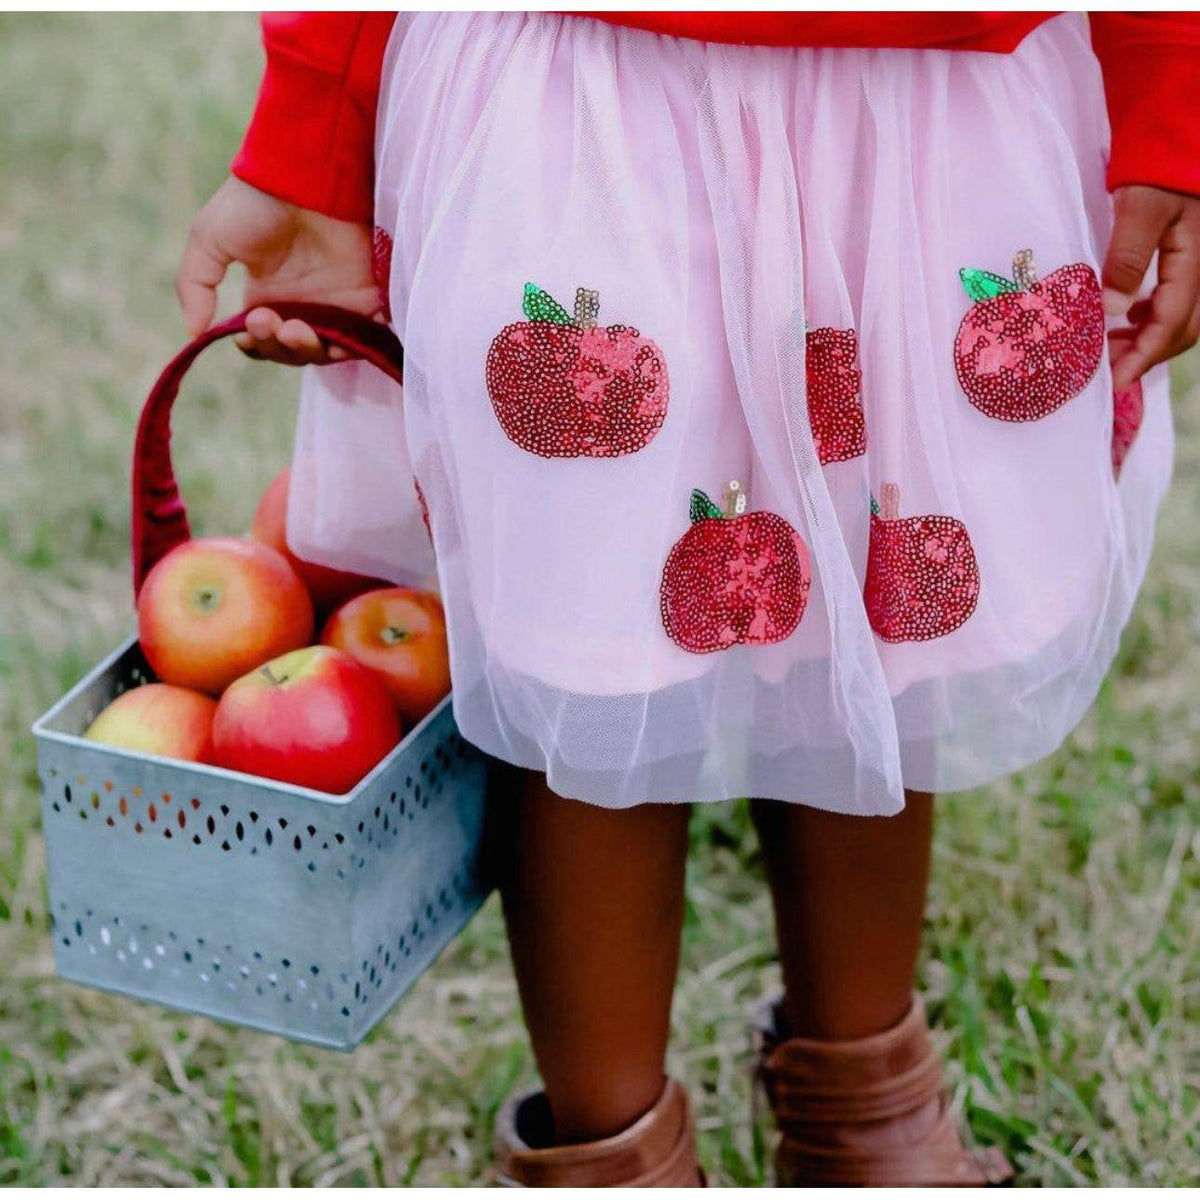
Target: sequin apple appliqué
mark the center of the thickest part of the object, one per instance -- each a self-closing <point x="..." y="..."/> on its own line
<point x="922" y="574"/>
<point x="1028" y="345"/>
<point x="564" y="387"/>
<point x="735" y="577"/>
<point x="835" y="409"/>
<point x="1129" y="407"/>
<point x="381" y="269"/>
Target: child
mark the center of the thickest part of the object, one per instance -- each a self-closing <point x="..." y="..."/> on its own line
<point x="757" y="384"/>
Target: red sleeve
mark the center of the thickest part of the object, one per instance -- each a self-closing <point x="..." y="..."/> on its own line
<point x="1151" y="64"/>
<point x="311" y="140"/>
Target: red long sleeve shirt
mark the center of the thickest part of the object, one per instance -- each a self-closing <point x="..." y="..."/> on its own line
<point x="311" y="139"/>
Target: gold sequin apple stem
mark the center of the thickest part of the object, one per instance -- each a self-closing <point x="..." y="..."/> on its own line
<point x="735" y="499"/>
<point x="587" y="308"/>
<point x="887" y="507"/>
<point x="1024" y="272"/>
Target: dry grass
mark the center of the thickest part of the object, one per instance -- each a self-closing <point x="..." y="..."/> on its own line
<point x="1062" y="960"/>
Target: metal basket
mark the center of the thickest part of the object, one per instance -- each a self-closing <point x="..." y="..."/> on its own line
<point x="251" y="901"/>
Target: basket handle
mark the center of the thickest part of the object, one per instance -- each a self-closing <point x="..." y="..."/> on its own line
<point x="159" y="520"/>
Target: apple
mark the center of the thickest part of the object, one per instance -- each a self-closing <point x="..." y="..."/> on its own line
<point x="381" y="269"/>
<point x="1128" y="410"/>
<point x="213" y="608"/>
<point x="158" y="718"/>
<point x="400" y="633"/>
<point x="734" y="577"/>
<point x="313" y="717"/>
<point x="327" y="586"/>
<point x="922" y="574"/>
<point x="563" y="387"/>
<point x="1028" y="345"/>
<point x="835" y="409"/>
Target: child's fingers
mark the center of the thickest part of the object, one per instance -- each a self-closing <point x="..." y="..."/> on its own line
<point x="201" y="270"/>
<point x="300" y="339"/>
<point x="1141" y="217"/>
<point x="291" y="342"/>
<point x="1170" y="326"/>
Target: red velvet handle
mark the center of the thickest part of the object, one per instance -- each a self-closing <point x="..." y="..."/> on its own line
<point x="159" y="521"/>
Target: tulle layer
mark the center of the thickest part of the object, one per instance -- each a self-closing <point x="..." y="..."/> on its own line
<point x="630" y="270"/>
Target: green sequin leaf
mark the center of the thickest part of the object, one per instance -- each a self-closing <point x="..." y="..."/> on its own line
<point x="539" y="305"/>
<point x="702" y="508"/>
<point x="874" y="505"/>
<point x="983" y="285"/>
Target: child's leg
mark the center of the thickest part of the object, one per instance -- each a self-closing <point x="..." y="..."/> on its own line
<point x="594" y="904"/>
<point x="852" y="1073"/>
<point x="849" y="896"/>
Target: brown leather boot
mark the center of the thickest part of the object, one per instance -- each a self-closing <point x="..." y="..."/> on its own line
<point x="872" y="1112"/>
<point x="657" y="1150"/>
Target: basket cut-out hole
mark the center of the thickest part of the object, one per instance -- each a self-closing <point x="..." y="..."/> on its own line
<point x="151" y="812"/>
<point x="195" y="801"/>
<point x="95" y="799"/>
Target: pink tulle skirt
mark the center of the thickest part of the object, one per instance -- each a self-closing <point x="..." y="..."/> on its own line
<point x="760" y="401"/>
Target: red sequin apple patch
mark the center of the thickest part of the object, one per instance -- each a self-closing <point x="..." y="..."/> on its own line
<point x="564" y="387"/>
<point x="1028" y="345"/>
<point x="735" y="577"/>
<point x="835" y="408"/>
<point x="1128" y="409"/>
<point x="381" y="268"/>
<point x="922" y="575"/>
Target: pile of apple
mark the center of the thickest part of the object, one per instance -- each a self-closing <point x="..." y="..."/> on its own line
<point x="228" y="624"/>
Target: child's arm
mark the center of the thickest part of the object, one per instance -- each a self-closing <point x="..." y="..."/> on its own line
<point x="1151" y="64"/>
<point x="297" y="211"/>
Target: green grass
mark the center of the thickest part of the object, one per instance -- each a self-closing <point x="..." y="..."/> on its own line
<point x="1061" y="950"/>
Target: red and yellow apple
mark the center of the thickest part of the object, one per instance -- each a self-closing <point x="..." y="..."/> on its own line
<point x="158" y="718"/>
<point x="328" y="587"/>
<point x="400" y="633"/>
<point x="313" y="717"/>
<point x="214" y="608"/>
<point x="565" y="387"/>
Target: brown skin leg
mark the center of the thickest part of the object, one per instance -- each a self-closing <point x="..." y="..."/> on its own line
<point x="593" y="899"/>
<point x="849" y="898"/>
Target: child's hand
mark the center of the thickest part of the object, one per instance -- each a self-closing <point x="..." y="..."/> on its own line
<point x="1150" y="219"/>
<point x="289" y="253"/>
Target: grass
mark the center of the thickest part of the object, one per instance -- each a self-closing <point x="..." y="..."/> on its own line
<point x="1061" y="949"/>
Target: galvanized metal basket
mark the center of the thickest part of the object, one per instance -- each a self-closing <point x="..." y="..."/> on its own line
<point x="251" y="901"/>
